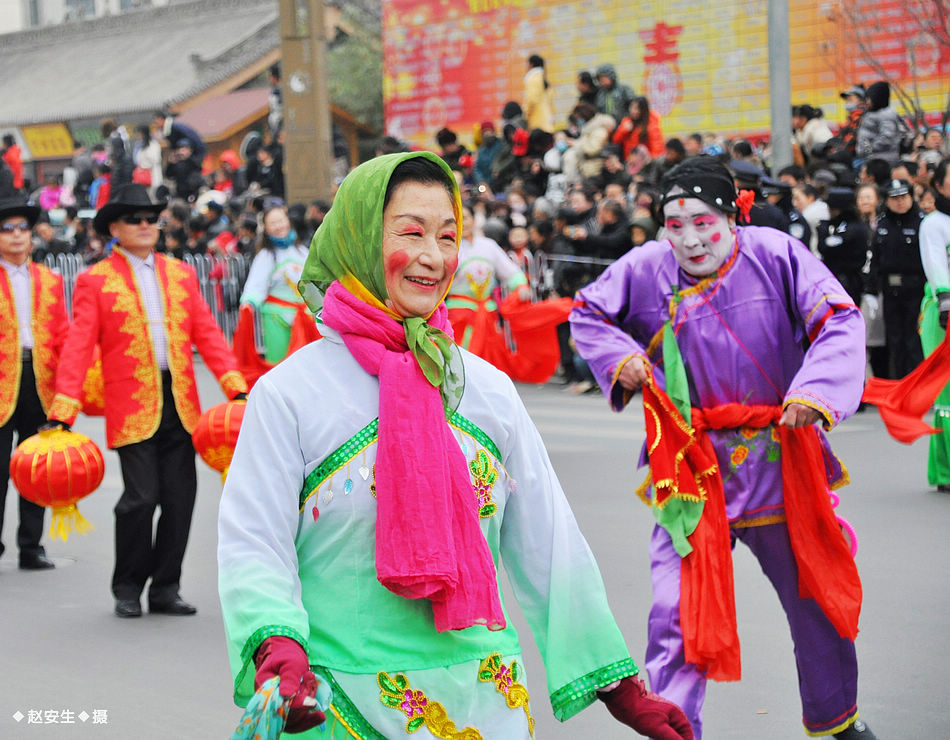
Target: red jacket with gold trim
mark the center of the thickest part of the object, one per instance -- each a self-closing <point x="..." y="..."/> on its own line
<point x="108" y="310"/>
<point x="48" y="323"/>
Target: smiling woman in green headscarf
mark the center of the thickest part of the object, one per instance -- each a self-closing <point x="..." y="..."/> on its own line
<point x="371" y="498"/>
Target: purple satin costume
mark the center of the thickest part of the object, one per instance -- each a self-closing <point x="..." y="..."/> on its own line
<point x="774" y="327"/>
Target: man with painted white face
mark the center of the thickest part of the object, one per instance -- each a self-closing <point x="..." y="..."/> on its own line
<point x="742" y="341"/>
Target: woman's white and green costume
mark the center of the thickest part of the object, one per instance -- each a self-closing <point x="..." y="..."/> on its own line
<point x="296" y="558"/>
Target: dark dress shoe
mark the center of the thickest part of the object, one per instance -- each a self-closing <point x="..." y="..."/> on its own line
<point x="176" y="607"/>
<point x="856" y="731"/>
<point x="128" y="608"/>
<point x="36" y="561"/>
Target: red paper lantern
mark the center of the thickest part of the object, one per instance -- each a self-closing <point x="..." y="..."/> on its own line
<point x="57" y="468"/>
<point x="216" y="434"/>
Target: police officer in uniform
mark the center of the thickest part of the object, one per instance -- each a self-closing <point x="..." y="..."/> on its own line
<point x="843" y="241"/>
<point x="896" y="266"/>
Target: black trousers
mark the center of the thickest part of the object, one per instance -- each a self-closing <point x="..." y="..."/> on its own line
<point x="157" y="473"/>
<point x="901" y="311"/>
<point x="27" y="417"/>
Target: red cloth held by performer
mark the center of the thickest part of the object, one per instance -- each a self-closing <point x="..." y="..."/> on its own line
<point x="827" y="572"/>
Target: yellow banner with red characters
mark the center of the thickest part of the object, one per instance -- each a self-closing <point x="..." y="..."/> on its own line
<point x="703" y="66"/>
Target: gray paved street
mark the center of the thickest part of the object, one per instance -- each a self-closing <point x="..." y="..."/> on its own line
<point x="167" y="677"/>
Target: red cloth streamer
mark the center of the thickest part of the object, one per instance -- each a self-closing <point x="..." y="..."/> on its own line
<point x="903" y="403"/>
<point x="827" y="572"/>
<point x="533" y="329"/>
<point x="252" y="365"/>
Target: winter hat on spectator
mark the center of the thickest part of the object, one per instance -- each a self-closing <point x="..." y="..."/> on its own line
<point x="519" y="142"/>
<point x="19" y="207"/>
<point x="879" y="95"/>
<point x="230" y="157"/>
<point x="488" y="126"/>
<point x="854" y="90"/>
<point x="130" y="198"/>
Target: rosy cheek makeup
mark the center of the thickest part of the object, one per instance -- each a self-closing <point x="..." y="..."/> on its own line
<point x="716" y="238"/>
<point x="451" y="264"/>
<point x="396" y="262"/>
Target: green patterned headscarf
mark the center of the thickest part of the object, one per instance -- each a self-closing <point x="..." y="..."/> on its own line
<point x="348" y="247"/>
<point x="349" y="243"/>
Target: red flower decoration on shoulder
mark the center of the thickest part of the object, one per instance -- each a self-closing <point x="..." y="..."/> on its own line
<point x="744" y="202"/>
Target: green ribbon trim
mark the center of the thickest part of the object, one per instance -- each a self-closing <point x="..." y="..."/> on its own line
<point x="582" y="692"/>
<point x="250" y="647"/>
<point x="346" y="709"/>
<point x="369" y="434"/>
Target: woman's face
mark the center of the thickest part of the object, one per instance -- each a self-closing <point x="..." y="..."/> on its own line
<point x="700" y="234"/>
<point x="799" y="200"/>
<point x="277" y="223"/>
<point x="518" y="237"/>
<point x="867" y="201"/>
<point x="420" y="251"/>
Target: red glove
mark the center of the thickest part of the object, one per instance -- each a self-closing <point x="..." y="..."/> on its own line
<point x="645" y="712"/>
<point x="284" y="657"/>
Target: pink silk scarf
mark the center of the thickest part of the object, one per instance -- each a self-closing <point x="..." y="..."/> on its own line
<point x="428" y="540"/>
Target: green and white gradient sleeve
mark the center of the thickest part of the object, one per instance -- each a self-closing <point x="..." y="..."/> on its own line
<point x="257" y="526"/>
<point x="556" y="579"/>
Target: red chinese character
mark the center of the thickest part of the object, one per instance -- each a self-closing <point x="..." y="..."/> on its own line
<point x="661" y="43"/>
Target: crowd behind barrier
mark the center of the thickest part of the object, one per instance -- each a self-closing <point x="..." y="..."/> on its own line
<point x="220" y="279"/>
<point x="564" y="197"/>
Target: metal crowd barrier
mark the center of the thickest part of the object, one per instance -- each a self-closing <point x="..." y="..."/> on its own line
<point x="221" y="280"/>
<point x="543" y="268"/>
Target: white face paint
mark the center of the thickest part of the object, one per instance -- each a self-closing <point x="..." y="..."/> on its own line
<point x="702" y="236"/>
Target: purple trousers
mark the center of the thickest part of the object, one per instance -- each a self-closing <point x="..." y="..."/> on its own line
<point x="826" y="662"/>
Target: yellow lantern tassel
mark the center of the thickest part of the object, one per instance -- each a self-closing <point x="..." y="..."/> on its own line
<point x="67" y="519"/>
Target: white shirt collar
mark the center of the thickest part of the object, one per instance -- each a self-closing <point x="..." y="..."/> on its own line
<point x="10" y="267"/>
<point x="136" y="260"/>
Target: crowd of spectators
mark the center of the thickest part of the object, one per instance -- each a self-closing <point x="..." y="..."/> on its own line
<point x="565" y="199"/>
<point x="585" y="192"/>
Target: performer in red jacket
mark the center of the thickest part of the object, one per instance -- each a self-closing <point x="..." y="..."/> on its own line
<point x="145" y="311"/>
<point x="32" y="328"/>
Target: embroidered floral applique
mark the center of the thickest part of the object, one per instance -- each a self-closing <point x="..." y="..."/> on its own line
<point x="747" y="441"/>
<point x="505" y="678"/>
<point x="396" y="693"/>
<point x="484" y="476"/>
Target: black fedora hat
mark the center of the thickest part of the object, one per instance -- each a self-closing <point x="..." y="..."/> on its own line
<point x="130" y="198"/>
<point x="19" y="207"/>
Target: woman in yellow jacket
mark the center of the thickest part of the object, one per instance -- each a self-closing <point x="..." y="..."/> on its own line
<point x="538" y="108"/>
